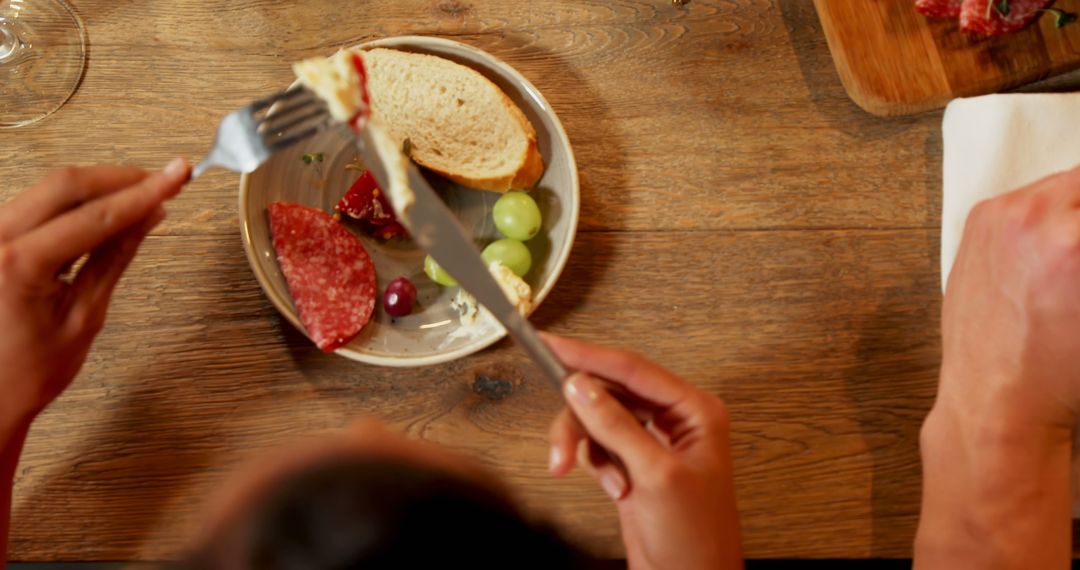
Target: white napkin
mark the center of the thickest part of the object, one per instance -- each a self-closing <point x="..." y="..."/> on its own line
<point x="998" y="143"/>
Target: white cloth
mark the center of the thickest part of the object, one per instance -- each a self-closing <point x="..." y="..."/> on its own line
<point x="998" y="143"/>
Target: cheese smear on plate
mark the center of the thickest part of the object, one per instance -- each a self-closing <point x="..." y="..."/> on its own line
<point x="517" y="291"/>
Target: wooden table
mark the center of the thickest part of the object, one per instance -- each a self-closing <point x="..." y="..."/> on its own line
<point x="742" y="222"/>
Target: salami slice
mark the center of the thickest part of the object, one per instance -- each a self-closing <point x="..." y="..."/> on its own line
<point x="939" y="8"/>
<point x="979" y="17"/>
<point x="330" y="275"/>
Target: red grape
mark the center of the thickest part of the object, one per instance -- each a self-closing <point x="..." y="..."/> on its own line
<point x="400" y="297"/>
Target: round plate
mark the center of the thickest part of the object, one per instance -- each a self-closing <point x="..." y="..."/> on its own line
<point x="432" y="334"/>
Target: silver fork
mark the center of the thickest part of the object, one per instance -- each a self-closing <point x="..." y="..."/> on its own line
<point x="245" y="139"/>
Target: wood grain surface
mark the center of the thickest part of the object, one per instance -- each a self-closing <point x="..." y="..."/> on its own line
<point x="895" y="61"/>
<point x="742" y="222"/>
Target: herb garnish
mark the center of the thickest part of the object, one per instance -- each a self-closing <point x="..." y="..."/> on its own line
<point x="1001" y="6"/>
<point x="310" y="157"/>
<point x="1061" y="17"/>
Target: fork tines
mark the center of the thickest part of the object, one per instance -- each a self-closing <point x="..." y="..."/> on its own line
<point x="251" y="134"/>
<point x="294" y="114"/>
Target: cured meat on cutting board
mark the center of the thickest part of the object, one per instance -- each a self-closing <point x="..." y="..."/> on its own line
<point x="893" y="60"/>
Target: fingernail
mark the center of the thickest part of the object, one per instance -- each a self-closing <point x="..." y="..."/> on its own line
<point x="581" y="389"/>
<point x="613" y="485"/>
<point x="554" y="458"/>
<point x="174" y="168"/>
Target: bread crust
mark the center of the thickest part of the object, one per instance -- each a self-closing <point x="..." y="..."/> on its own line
<point x="531" y="165"/>
<point x="531" y="171"/>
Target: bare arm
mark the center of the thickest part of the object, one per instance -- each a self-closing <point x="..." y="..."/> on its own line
<point x="673" y="485"/>
<point x="11" y="443"/>
<point x="996" y="447"/>
<point x="103" y="212"/>
<point x="996" y="493"/>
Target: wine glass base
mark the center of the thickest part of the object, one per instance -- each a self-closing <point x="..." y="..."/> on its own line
<point x="42" y="59"/>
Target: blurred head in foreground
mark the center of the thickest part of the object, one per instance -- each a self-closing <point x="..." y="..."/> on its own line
<point x="372" y="499"/>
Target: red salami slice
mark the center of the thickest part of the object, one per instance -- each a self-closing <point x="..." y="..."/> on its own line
<point x="330" y="276"/>
<point x="939" y="8"/>
<point x="979" y="17"/>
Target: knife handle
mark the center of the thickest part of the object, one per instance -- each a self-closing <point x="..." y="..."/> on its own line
<point x="525" y="335"/>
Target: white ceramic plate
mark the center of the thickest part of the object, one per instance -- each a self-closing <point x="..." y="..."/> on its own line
<point x="432" y="334"/>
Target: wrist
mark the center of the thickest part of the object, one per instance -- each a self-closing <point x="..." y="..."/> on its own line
<point x="13" y="429"/>
<point x="996" y="480"/>
<point x="993" y="392"/>
<point x="990" y="419"/>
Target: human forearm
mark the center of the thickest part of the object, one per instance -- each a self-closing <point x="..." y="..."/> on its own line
<point x="996" y="491"/>
<point x="12" y="437"/>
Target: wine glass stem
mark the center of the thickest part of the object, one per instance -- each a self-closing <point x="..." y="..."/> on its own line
<point x="10" y="43"/>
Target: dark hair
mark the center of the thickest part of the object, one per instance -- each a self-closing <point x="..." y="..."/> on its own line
<point x="374" y="513"/>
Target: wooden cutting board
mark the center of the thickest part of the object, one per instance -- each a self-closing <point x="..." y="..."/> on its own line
<point x="895" y="61"/>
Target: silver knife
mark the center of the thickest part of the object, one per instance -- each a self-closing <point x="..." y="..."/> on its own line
<point x="440" y="234"/>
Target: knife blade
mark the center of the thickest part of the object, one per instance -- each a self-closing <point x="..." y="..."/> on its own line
<point x="435" y="229"/>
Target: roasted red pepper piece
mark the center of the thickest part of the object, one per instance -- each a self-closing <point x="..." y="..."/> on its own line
<point x="359" y="201"/>
<point x="366" y="202"/>
<point x="393" y="229"/>
<point x="357" y="122"/>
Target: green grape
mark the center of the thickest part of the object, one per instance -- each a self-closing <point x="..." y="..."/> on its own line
<point x="438" y="274"/>
<point x="511" y="253"/>
<point x="517" y="216"/>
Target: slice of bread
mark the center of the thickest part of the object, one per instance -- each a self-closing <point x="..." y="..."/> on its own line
<point x="458" y="123"/>
<point x="336" y="80"/>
